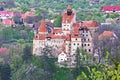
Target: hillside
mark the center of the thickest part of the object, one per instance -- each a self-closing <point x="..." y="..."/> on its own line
<point x="61" y="4"/>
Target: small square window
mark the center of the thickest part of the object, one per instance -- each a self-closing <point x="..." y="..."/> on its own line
<point x="88" y="40"/>
<point x="89" y="50"/>
<point x="84" y="44"/>
<point x="88" y="44"/>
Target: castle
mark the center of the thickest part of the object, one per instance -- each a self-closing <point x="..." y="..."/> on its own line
<point x="65" y="40"/>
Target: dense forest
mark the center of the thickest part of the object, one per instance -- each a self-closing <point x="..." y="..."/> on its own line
<point x="61" y="4"/>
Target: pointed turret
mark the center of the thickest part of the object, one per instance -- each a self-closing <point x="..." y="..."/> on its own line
<point x="69" y="10"/>
<point x="42" y="27"/>
<point x="69" y="7"/>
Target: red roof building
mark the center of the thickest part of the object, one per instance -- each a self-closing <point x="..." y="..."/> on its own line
<point x="106" y="34"/>
<point x="42" y="27"/>
<point x="66" y="18"/>
<point x="111" y="9"/>
<point x="69" y="7"/>
<point x="68" y="37"/>
<point x="90" y="24"/>
<point x="6" y="14"/>
<point x="8" y="22"/>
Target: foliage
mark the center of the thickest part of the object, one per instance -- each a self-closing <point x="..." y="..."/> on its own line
<point x="37" y="12"/>
<point x="102" y="72"/>
<point x="113" y="15"/>
<point x="24" y="9"/>
<point x="27" y="53"/>
<point x="57" y="22"/>
<point x="5" y="71"/>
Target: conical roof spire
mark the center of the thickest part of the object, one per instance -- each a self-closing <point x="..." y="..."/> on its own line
<point x="69" y="7"/>
<point x="42" y="27"/>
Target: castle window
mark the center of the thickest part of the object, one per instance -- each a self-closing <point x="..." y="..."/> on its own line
<point x="84" y="39"/>
<point x="74" y="43"/>
<point x="88" y="39"/>
<point x="76" y="39"/>
<point x="88" y="44"/>
<point x="78" y="44"/>
<point x="84" y="44"/>
<point x="89" y="50"/>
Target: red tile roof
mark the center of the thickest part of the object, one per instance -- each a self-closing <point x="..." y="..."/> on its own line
<point x="76" y="28"/>
<point x="67" y="18"/>
<point x="106" y="34"/>
<point x="42" y="27"/>
<point x="91" y="23"/>
<point x="55" y="37"/>
<point x="57" y="30"/>
<point x="42" y="37"/>
<point x="4" y="13"/>
<point x="111" y="8"/>
<point x="69" y="7"/>
<point x="68" y="37"/>
<point x="75" y="36"/>
<point x="8" y="22"/>
<point x="36" y="38"/>
<point x="58" y="37"/>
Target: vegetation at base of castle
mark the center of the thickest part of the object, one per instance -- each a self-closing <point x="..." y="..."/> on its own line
<point x="22" y="65"/>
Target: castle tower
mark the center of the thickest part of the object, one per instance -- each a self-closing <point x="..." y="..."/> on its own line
<point x="42" y="29"/>
<point x="39" y="39"/>
<point x="69" y="10"/>
<point x="68" y="18"/>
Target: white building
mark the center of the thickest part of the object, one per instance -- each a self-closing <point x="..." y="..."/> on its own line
<point x="71" y="35"/>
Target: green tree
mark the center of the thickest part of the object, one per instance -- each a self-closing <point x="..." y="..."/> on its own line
<point x="57" y="22"/>
<point x="27" y="53"/>
<point x="37" y="12"/>
<point x="102" y="72"/>
<point x="47" y="64"/>
<point x="24" y="9"/>
<point x="5" y="71"/>
<point x="77" y="61"/>
<point x="114" y="15"/>
<point x="21" y="41"/>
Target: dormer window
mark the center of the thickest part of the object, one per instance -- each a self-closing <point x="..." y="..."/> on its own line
<point x="7" y="15"/>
